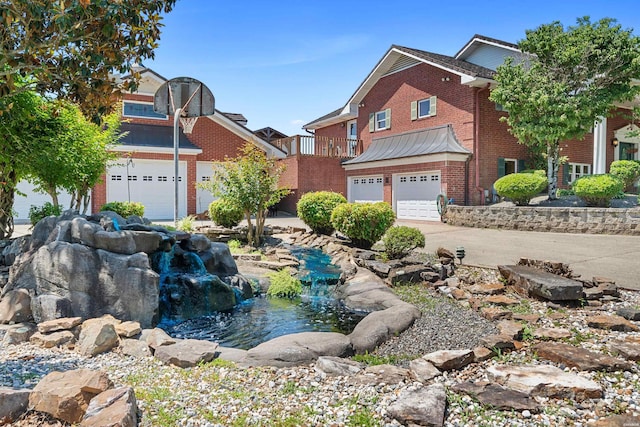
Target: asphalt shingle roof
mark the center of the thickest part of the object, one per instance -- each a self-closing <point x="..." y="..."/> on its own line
<point x="153" y="136"/>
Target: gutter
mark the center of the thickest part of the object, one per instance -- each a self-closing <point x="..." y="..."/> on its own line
<point x="476" y="141"/>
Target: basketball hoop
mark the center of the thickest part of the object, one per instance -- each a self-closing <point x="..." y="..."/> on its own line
<point x="188" y="123"/>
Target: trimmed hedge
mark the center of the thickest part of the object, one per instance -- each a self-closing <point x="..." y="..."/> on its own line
<point x="363" y="223"/>
<point x="627" y="171"/>
<point x="598" y="190"/>
<point x="400" y="241"/>
<point x="225" y="213"/>
<point x="520" y="187"/>
<point x="315" y="210"/>
<point x="124" y="209"/>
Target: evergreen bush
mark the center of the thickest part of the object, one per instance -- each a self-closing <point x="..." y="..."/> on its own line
<point x="225" y="213"/>
<point x="283" y="284"/>
<point x="627" y="171"/>
<point x="399" y="241"/>
<point x="598" y="190"/>
<point x="315" y="210"/>
<point x="36" y="213"/>
<point x="124" y="209"/>
<point x="363" y="223"/>
<point x="520" y="187"/>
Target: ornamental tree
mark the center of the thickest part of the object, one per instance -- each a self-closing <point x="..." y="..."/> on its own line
<point x="73" y="48"/>
<point x="251" y="182"/>
<point x="567" y="80"/>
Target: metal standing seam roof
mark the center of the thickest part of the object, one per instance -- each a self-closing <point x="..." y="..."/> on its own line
<point x="434" y="140"/>
<point x="153" y="136"/>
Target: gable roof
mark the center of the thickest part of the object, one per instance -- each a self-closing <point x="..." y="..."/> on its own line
<point x="269" y="134"/>
<point x="396" y="59"/>
<point x="478" y="40"/>
<point x="435" y="140"/>
<point x="141" y="137"/>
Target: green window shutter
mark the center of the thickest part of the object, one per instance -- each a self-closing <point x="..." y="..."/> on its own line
<point x="521" y="165"/>
<point x="432" y="106"/>
<point x="566" y="173"/>
<point x="388" y="120"/>
<point x="501" y="167"/>
<point x="414" y="110"/>
<point x="372" y="122"/>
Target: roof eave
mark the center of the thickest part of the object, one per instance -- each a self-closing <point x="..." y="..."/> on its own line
<point x="474" y="81"/>
<point x="472" y="45"/>
<point x="342" y="117"/>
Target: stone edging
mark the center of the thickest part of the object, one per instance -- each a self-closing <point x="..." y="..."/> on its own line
<point x="561" y="220"/>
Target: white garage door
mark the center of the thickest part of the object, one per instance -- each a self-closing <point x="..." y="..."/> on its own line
<point x="204" y="170"/>
<point x="366" y="189"/>
<point x="149" y="182"/>
<point x="22" y="203"/>
<point x="415" y="195"/>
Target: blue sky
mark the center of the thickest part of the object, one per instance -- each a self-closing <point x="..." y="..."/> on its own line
<point x="284" y="63"/>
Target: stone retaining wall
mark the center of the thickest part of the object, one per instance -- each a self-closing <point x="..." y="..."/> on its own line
<point x="564" y="220"/>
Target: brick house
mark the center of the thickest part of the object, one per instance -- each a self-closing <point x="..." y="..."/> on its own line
<point x="424" y="125"/>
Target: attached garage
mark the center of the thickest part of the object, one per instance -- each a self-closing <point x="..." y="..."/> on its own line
<point x="415" y="195"/>
<point x="149" y="182"/>
<point x="26" y="197"/>
<point x="365" y="189"/>
<point x="204" y="170"/>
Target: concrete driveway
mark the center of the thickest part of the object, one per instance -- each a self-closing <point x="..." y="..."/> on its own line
<point x="614" y="257"/>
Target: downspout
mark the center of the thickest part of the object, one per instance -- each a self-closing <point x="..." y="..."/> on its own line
<point x="476" y="141"/>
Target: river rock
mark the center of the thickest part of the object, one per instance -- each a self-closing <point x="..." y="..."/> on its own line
<point x="337" y="366"/>
<point x="187" y="353"/>
<point x="62" y="324"/>
<point x="376" y="327"/>
<point x="15" y="307"/>
<point x="111" y="408"/>
<point x="13" y="403"/>
<point x="546" y="381"/>
<point x="366" y="292"/>
<point x="97" y="336"/>
<point x="498" y="397"/>
<point x="424" y="406"/>
<point x="611" y="322"/>
<point x="66" y="395"/>
<point x="448" y="360"/>
<point x="423" y="370"/>
<point x="530" y="281"/>
<point x="580" y="358"/>
<point x="299" y="349"/>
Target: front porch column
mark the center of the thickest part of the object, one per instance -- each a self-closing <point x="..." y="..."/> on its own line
<point x="600" y="146"/>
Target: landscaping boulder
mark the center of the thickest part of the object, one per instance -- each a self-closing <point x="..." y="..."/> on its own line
<point x="54" y="339"/>
<point x="447" y="360"/>
<point x="115" y="407"/>
<point x="383" y="374"/>
<point x="13" y="403"/>
<point x="498" y="397"/>
<point x="376" y="327"/>
<point x="338" y="366"/>
<point x="187" y="353"/>
<point x="97" y="336"/>
<point x="156" y="338"/>
<point x="530" y="281"/>
<point x="579" y="358"/>
<point x="15" y="307"/>
<point x="61" y="324"/>
<point x="19" y="333"/>
<point x="135" y="348"/>
<point x="424" y="406"/>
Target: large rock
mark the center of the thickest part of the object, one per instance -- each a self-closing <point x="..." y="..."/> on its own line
<point x="156" y="338"/>
<point x="424" y="406"/>
<point x="298" y="349"/>
<point x="580" y="358"/>
<point x="335" y="366"/>
<point x="378" y="326"/>
<point x="611" y="322"/>
<point x="423" y="370"/>
<point x="62" y="324"/>
<point x="54" y="339"/>
<point x="627" y="349"/>
<point x="97" y="336"/>
<point x="15" y="307"/>
<point x="112" y="408"/>
<point x="546" y="381"/>
<point x="449" y="359"/>
<point x="50" y="307"/>
<point x="218" y="260"/>
<point x="187" y="353"/>
<point x="66" y="395"/>
<point x="498" y="397"/>
<point x="383" y="374"/>
<point x="530" y="281"/>
<point x="366" y="292"/>
<point x="189" y="296"/>
<point x="134" y="348"/>
<point x="94" y="281"/>
<point x="128" y="329"/>
<point x="409" y="273"/>
<point x="19" y="333"/>
<point x="13" y="403"/>
<point x="11" y="251"/>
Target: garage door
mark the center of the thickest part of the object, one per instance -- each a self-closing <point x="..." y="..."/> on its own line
<point x="415" y="195"/>
<point x="366" y="189"/>
<point x="26" y="196"/>
<point x="149" y="182"/>
<point x="203" y="197"/>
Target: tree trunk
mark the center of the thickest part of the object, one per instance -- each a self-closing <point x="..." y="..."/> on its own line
<point x="260" y="218"/>
<point x="86" y="198"/>
<point x="553" y="162"/>
<point x="54" y="196"/>
<point x="247" y="215"/>
<point x="8" y="184"/>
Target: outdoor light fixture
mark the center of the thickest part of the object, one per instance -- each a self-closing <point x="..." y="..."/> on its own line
<point x="361" y="105"/>
<point x="460" y="253"/>
<point x="615" y="142"/>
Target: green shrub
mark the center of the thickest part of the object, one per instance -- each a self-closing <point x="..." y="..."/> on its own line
<point x="597" y="190"/>
<point x="363" y="223"/>
<point x="399" y="241"/>
<point x="187" y="223"/>
<point x="315" y="210"/>
<point x="561" y="192"/>
<point x="540" y="172"/>
<point x="520" y="187"/>
<point x="627" y="171"/>
<point x="283" y="284"/>
<point x="36" y="213"/>
<point x="225" y="213"/>
<point x="124" y="209"/>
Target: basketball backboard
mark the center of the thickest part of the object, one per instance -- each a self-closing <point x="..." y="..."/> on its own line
<point x="189" y="94"/>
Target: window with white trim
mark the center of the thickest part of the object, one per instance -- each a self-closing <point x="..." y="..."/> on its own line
<point x="578" y="170"/>
<point x="423" y="108"/>
<point x="381" y="120"/>
<point x="141" y="109"/>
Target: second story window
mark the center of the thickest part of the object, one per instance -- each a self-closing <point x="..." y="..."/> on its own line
<point x="423" y="108"/>
<point x="140" y="109"/>
<point x="380" y="120"/>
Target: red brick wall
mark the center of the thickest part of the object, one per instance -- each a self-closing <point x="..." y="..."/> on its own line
<point x="339" y="130"/>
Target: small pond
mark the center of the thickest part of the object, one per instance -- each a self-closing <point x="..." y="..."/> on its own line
<point x="262" y="318"/>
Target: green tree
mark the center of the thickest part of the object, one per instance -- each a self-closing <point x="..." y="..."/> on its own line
<point x="567" y="80"/>
<point x="74" y="48"/>
<point x="251" y="182"/>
